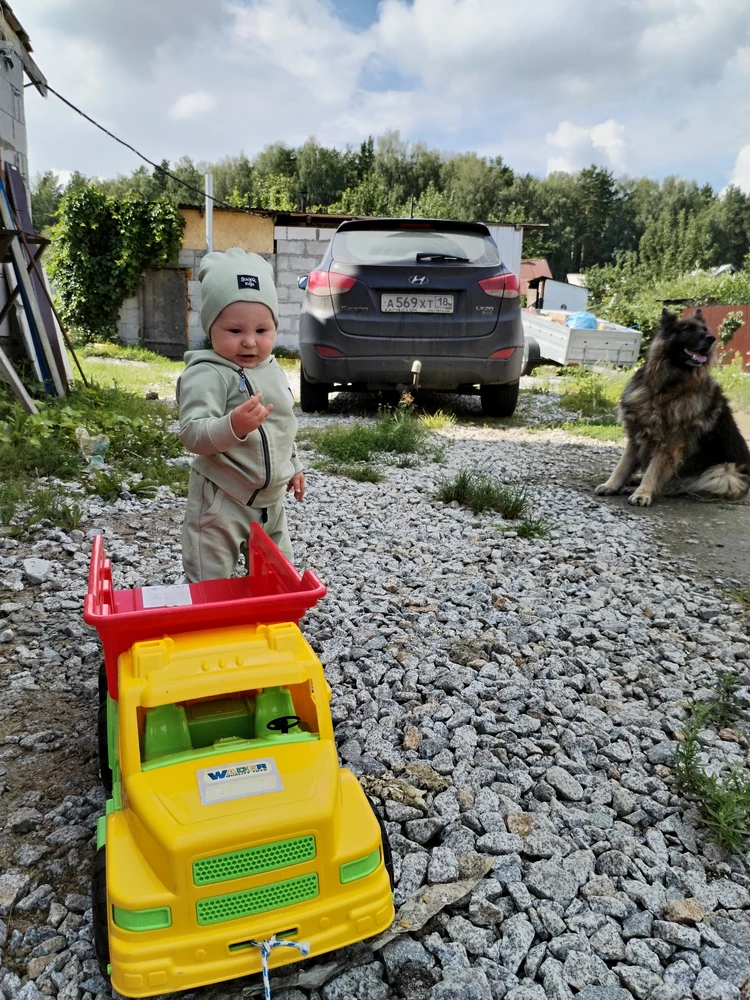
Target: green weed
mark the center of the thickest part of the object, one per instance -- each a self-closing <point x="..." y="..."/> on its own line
<point x="438" y="421"/>
<point x="439" y="453"/>
<point x="724" y="804"/>
<point x="533" y="527"/>
<point x="397" y="432"/>
<point x="106" y="484"/>
<point x="480" y="493"/>
<point x="360" y="472"/>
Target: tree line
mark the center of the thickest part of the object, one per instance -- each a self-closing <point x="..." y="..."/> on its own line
<point x="597" y="222"/>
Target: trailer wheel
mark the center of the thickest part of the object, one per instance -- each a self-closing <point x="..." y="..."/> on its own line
<point x="105" y="771"/>
<point x="99" y="913"/>
<point x="387" y="852"/>
<point x="499" y="400"/>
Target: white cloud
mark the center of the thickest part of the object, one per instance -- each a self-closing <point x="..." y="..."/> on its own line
<point x="741" y="173"/>
<point x="192" y="105"/>
<point x="603" y="144"/>
<point x="654" y="76"/>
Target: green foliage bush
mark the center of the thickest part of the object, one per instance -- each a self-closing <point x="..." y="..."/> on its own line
<point x="101" y="244"/>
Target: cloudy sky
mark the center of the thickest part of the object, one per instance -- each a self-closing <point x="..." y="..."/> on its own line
<point x="652" y="87"/>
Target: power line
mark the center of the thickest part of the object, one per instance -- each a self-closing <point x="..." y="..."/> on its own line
<point x="156" y="166"/>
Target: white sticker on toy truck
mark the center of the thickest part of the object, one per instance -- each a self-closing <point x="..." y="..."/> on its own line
<point x="238" y="781"/>
<point x="166" y="597"/>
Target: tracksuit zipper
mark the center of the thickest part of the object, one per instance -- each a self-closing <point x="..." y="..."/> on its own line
<point x="244" y="384"/>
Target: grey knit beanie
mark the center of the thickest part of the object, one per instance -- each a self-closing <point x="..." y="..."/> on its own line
<point x="235" y="276"/>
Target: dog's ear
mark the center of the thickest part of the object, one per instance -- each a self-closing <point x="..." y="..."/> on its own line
<point x="698" y="315"/>
<point x="668" y="320"/>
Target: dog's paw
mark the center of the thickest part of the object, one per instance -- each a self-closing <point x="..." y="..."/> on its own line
<point x="639" y="499"/>
<point x="604" y="490"/>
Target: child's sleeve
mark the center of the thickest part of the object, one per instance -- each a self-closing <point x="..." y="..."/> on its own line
<point x="295" y="460"/>
<point x="205" y="427"/>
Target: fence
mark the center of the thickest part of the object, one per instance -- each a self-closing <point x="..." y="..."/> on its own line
<point x="713" y="315"/>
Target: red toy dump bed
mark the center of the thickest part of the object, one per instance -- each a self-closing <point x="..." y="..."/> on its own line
<point x="273" y="591"/>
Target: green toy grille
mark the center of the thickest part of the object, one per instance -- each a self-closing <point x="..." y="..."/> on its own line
<point x="266" y="897"/>
<point x="253" y="860"/>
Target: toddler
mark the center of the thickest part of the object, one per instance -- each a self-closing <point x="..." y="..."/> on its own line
<point x="236" y="415"/>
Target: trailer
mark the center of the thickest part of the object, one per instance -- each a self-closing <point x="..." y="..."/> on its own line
<point x="550" y="339"/>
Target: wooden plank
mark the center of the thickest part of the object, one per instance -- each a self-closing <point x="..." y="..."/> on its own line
<point x="20" y="205"/>
<point x="23" y="322"/>
<point x="16" y="384"/>
<point x="29" y="298"/>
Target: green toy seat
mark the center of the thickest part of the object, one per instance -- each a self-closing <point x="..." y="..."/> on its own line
<point x="166" y="732"/>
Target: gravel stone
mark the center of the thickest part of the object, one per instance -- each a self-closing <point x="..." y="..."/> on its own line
<point x="677" y="934"/>
<point x="365" y="981"/>
<point x="471" y="985"/>
<point x="708" y="986"/>
<point x="404" y="950"/>
<point x="36" y="571"/>
<point x="728" y="963"/>
<point x="550" y="881"/>
<point x="641" y="982"/>
<point x="23" y="820"/>
<point x="443" y="866"/>
<point x="13" y="885"/>
<point x="683" y="911"/>
<point x="517" y="937"/>
<point x="566" y="786"/>
<point x="608" y="944"/>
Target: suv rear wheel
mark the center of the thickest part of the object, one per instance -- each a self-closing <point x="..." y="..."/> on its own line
<point x="499" y="400"/>
<point x="313" y="396"/>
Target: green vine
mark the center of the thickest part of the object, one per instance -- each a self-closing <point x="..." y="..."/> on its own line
<point x="101" y="245"/>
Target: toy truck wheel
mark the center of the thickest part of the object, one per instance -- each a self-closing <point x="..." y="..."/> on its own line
<point x="100" y="925"/>
<point x="387" y="852"/>
<point x="105" y="771"/>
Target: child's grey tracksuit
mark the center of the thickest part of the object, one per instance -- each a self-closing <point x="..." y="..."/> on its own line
<point x="233" y="481"/>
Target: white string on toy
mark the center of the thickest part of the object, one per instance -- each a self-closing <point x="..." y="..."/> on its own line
<point x="303" y="947"/>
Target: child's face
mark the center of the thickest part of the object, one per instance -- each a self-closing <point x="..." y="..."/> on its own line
<point x="244" y="333"/>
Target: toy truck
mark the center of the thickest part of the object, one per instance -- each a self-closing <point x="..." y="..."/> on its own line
<point x="230" y="820"/>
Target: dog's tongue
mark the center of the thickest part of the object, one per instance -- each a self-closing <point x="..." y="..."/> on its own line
<point x="700" y="357"/>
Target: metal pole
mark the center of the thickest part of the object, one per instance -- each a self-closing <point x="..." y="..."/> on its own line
<point x="209" y="213"/>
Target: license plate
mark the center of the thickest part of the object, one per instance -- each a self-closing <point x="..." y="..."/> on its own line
<point x="416" y="303"/>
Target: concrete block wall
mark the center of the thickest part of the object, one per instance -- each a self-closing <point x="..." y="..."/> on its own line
<point x="129" y="323"/>
<point x="299" y="250"/>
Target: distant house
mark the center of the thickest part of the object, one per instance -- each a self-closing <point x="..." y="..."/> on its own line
<point x="532" y="270"/>
<point x="15" y="62"/>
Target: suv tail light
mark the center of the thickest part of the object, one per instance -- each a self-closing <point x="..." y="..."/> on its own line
<point x="502" y="354"/>
<point x="328" y="352"/>
<point x="329" y="283"/>
<point x="501" y="285"/>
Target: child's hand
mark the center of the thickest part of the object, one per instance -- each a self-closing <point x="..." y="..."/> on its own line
<point x="297" y="483"/>
<point x="249" y="416"/>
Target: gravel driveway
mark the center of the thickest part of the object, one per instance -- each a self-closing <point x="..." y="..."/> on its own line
<point x="514" y="703"/>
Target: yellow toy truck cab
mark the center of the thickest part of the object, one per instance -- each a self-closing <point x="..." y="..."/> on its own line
<point x="230" y="819"/>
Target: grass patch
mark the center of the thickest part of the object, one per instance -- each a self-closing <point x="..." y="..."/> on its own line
<point x="480" y="493"/>
<point x="533" y="527"/>
<point x="734" y="379"/>
<point x="360" y="472"/>
<point x="592" y="393"/>
<point x="132" y="369"/>
<point x="724" y="804"/>
<point x="34" y="447"/>
<point x="399" y="433"/>
<point x="438" y="421"/>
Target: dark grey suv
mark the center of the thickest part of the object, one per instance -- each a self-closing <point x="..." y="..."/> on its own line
<point x="402" y="302"/>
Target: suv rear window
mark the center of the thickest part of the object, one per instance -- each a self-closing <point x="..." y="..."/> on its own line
<point x="401" y="246"/>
